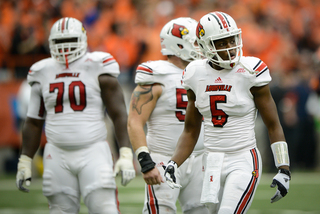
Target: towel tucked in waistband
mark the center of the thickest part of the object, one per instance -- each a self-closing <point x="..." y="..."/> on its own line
<point x="211" y="180"/>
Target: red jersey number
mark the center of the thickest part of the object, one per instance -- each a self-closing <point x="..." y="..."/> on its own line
<point x="59" y="86"/>
<point x="181" y="104"/>
<point x="219" y="117"/>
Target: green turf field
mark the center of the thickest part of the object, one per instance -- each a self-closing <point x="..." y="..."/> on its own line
<point x="303" y="197"/>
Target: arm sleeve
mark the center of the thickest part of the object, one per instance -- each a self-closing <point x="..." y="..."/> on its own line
<point x="36" y="108"/>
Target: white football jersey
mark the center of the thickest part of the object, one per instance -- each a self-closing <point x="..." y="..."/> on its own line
<point x="166" y="122"/>
<point x="72" y="104"/>
<point x="224" y="99"/>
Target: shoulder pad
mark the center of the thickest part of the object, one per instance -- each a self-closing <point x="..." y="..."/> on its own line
<point x="155" y="72"/>
<point x="191" y="67"/>
<point x="155" y="67"/>
<point x="105" y="63"/>
<point x="260" y="71"/>
<point x="254" y="64"/>
<point x="37" y="68"/>
<point x="188" y="73"/>
<point x="103" y="57"/>
<point x="40" y="65"/>
<point x="145" y="73"/>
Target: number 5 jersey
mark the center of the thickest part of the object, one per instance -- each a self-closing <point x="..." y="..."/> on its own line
<point x="224" y="99"/>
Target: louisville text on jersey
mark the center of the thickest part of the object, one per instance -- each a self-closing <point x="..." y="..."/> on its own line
<point x="218" y="88"/>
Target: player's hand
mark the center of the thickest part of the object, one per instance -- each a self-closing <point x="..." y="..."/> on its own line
<point x="153" y="177"/>
<point x="24" y="173"/>
<point x="281" y="180"/>
<point x="125" y="165"/>
<point x="169" y="174"/>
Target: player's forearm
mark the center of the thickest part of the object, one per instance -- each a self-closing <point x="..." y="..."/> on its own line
<point x="31" y="137"/>
<point x="137" y="135"/>
<point x="276" y="133"/>
<point x="185" y="146"/>
<point x="139" y="145"/>
<point x="120" y="125"/>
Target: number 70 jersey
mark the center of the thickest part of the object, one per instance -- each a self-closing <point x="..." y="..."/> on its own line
<point x="70" y="98"/>
<point x="224" y="99"/>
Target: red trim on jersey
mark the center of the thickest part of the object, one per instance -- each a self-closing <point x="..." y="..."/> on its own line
<point x="152" y="200"/>
<point x="108" y="60"/>
<point x="255" y="159"/>
<point x="247" y="195"/>
<point x="62" y="27"/>
<point x="222" y="19"/>
<point x="144" y="69"/>
<point x="117" y="201"/>
<point x="261" y="67"/>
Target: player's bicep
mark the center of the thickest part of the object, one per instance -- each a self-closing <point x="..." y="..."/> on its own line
<point x="36" y="108"/>
<point x="265" y="105"/>
<point x="112" y="95"/>
<point x="193" y="118"/>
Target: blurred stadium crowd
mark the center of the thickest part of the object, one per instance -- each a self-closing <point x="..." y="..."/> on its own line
<point x="284" y="34"/>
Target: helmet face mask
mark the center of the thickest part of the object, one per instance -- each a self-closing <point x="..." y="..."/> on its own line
<point x="214" y="27"/>
<point x="178" y="38"/>
<point x="67" y="40"/>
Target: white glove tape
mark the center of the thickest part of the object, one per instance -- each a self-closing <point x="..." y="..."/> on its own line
<point x="141" y="149"/>
<point x="24" y="169"/>
<point x="280" y="153"/>
<point x="24" y="162"/>
<point x="125" y="152"/>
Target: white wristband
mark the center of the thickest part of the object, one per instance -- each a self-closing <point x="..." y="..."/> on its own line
<point x="141" y="149"/>
<point x="280" y="153"/>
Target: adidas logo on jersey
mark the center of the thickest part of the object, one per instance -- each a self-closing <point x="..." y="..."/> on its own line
<point x="48" y="156"/>
<point x="218" y="80"/>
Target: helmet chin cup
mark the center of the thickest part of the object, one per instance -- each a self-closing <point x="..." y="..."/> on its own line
<point x="178" y="37"/>
<point x="67" y="40"/>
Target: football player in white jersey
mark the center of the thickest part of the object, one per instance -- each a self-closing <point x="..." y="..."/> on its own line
<point x="227" y="89"/>
<point x="159" y="101"/>
<point x="70" y="93"/>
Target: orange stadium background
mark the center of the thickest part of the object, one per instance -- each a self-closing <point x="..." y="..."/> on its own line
<point x="284" y="34"/>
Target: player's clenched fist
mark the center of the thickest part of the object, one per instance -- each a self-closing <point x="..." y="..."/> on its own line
<point x="281" y="180"/>
<point x="24" y="173"/>
<point x="169" y="173"/>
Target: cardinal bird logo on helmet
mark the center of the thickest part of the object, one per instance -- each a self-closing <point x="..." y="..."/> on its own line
<point x="200" y="31"/>
<point x="179" y="30"/>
